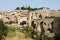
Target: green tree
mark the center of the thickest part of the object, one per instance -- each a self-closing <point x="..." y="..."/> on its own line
<point x="10" y="22"/>
<point x="23" y="8"/>
<point x="3" y="29"/>
<point x="17" y="8"/>
<point x="28" y="31"/>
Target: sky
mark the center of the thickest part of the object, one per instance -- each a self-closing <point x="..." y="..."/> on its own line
<point x="6" y="5"/>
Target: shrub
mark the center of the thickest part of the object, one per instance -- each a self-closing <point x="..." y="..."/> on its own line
<point x="28" y="31"/>
<point x="3" y="29"/>
<point x="10" y="22"/>
<point x="17" y="8"/>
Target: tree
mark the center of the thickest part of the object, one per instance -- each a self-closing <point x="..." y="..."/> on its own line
<point x="10" y="22"/>
<point x="35" y="8"/>
<point x="23" y="8"/>
<point x="29" y="8"/>
<point x="17" y="8"/>
<point x="3" y="29"/>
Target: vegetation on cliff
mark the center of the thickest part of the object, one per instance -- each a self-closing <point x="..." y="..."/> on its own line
<point x="22" y="33"/>
<point x="29" y="8"/>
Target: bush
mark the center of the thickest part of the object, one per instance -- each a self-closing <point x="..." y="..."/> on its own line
<point x="10" y="22"/>
<point x="28" y="31"/>
<point x="11" y="34"/>
<point x="17" y="8"/>
<point x="3" y="29"/>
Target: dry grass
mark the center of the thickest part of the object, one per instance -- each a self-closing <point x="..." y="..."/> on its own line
<point x="18" y="36"/>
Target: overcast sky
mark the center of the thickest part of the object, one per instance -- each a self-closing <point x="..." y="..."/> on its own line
<point x="12" y="4"/>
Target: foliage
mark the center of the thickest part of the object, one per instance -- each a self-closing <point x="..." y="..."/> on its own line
<point x="29" y="8"/>
<point x="10" y="22"/>
<point x="17" y="8"/>
<point x="28" y="31"/>
<point x="45" y="37"/>
<point x="23" y="8"/>
<point x="11" y="32"/>
<point x="5" y="31"/>
<point x="44" y="7"/>
<point x="16" y="33"/>
<point x="3" y="28"/>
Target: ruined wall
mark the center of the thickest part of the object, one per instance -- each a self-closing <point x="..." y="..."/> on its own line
<point x="57" y="26"/>
<point x="55" y="13"/>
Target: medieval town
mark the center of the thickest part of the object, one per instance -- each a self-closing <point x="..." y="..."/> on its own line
<point x="29" y="20"/>
<point x="44" y="21"/>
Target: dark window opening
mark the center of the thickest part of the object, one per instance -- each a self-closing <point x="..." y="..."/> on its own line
<point x="33" y="24"/>
<point x="42" y="28"/>
<point x="51" y="31"/>
<point x="52" y="25"/>
<point x="23" y="22"/>
<point x="40" y="16"/>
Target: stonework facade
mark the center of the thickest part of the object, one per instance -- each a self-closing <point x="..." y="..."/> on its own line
<point x="44" y="15"/>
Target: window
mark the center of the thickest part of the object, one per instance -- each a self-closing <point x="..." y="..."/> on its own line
<point x="23" y="22"/>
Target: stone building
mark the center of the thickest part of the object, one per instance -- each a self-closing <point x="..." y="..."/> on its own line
<point x="23" y="17"/>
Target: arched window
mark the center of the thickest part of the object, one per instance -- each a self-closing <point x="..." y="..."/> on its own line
<point x="33" y="24"/>
<point x="41" y="25"/>
<point x="42" y="29"/>
<point x="23" y="22"/>
<point x="40" y="16"/>
<point x="52" y="25"/>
